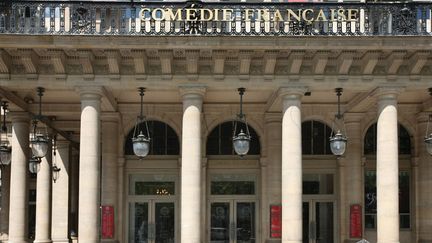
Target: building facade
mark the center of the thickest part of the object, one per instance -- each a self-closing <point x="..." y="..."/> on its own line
<point x="92" y="56"/>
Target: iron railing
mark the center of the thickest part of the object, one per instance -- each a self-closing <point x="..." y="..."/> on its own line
<point x="241" y="18"/>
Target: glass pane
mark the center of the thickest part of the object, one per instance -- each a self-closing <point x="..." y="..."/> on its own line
<point x="165" y="218"/>
<point x="232" y="187"/>
<point x="246" y="222"/>
<point x="138" y="224"/>
<point x="370" y="221"/>
<point x="405" y="221"/>
<point x="318" y="184"/>
<point x="324" y="222"/>
<point x="220" y="222"/>
<point x="404" y="192"/>
<point x="305" y="222"/>
<point x="155" y="188"/>
<point x="306" y="137"/>
<point x="370" y="192"/>
<point x="404" y="141"/>
<point x="318" y="139"/>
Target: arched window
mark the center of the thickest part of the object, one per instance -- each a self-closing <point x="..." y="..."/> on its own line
<point x="219" y="141"/>
<point x="315" y="138"/>
<point x="164" y="140"/>
<point x="370" y="140"/>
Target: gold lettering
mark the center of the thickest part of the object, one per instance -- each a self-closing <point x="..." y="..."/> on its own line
<point x="155" y="15"/>
<point x="332" y="14"/>
<point x="352" y="14"/>
<point x="227" y="14"/>
<point x="216" y="14"/>
<point x="248" y="14"/>
<point x="277" y="16"/>
<point x="263" y="14"/>
<point x="321" y="16"/>
<point x="174" y="17"/>
<point x="341" y="14"/>
<point x="203" y="13"/>
<point x="306" y="15"/>
<point x="294" y="15"/>
<point x="142" y="14"/>
<point x="191" y="14"/>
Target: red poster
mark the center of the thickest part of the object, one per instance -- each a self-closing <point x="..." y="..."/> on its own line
<point x="107" y="222"/>
<point x="276" y="221"/>
<point x="355" y="221"/>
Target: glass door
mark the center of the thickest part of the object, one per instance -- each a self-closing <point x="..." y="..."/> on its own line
<point x="318" y="221"/>
<point x="232" y="221"/>
<point x="152" y="221"/>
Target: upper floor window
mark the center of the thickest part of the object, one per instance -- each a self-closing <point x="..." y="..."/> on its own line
<point x="164" y="140"/>
<point x="370" y="140"/>
<point x="219" y="141"/>
<point x="315" y="138"/>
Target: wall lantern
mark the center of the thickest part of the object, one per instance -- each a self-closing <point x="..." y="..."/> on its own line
<point x="428" y="137"/>
<point x="241" y="139"/>
<point x="141" y="135"/>
<point x="5" y="148"/>
<point x="39" y="141"/>
<point x="338" y="140"/>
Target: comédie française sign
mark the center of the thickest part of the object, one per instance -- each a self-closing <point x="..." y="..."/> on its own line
<point x="308" y="15"/>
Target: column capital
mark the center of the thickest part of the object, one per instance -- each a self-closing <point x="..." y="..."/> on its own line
<point x="388" y="92"/>
<point x="110" y="116"/>
<point x="19" y="116"/>
<point x="292" y="92"/>
<point x="192" y="91"/>
<point x="93" y="92"/>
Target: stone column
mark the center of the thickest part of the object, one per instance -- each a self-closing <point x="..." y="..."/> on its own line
<point x="60" y="195"/>
<point x="43" y="199"/>
<point x="191" y="165"/>
<point x="291" y="166"/>
<point x="109" y="165"/>
<point x="4" y="203"/>
<point x="424" y="182"/>
<point x="387" y="167"/>
<point x="273" y="190"/>
<point x="89" y="188"/>
<point x="18" y="180"/>
<point x="353" y="170"/>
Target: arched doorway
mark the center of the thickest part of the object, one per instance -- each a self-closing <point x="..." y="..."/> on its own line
<point x="153" y="190"/>
<point x="232" y="188"/>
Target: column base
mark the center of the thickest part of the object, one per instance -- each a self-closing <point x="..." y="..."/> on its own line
<point x="61" y="241"/>
<point x="42" y="241"/>
<point x="17" y="241"/>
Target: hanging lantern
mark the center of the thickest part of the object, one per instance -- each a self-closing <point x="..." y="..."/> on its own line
<point x="141" y="135"/>
<point x="34" y="165"/>
<point x="241" y="139"/>
<point x="55" y="173"/>
<point x="39" y="141"/>
<point x="338" y="140"/>
<point x="5" y="148"/>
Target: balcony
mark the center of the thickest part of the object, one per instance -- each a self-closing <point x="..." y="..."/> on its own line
<point x="214" y="19"/>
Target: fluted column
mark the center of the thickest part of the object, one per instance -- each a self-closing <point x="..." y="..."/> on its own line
<point x="292" y="166"/>
<point x="110" y="161"/>
<point x="19" y="169"/>
<point x="43" y="199"/>
<point x="424" y="182"/>
<point x="387" y="167"/>
<point x="60" y="195"/>
<point x="89" y="188"/>
<point x="191" y="165"/>
<point x="4" y="206"/>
